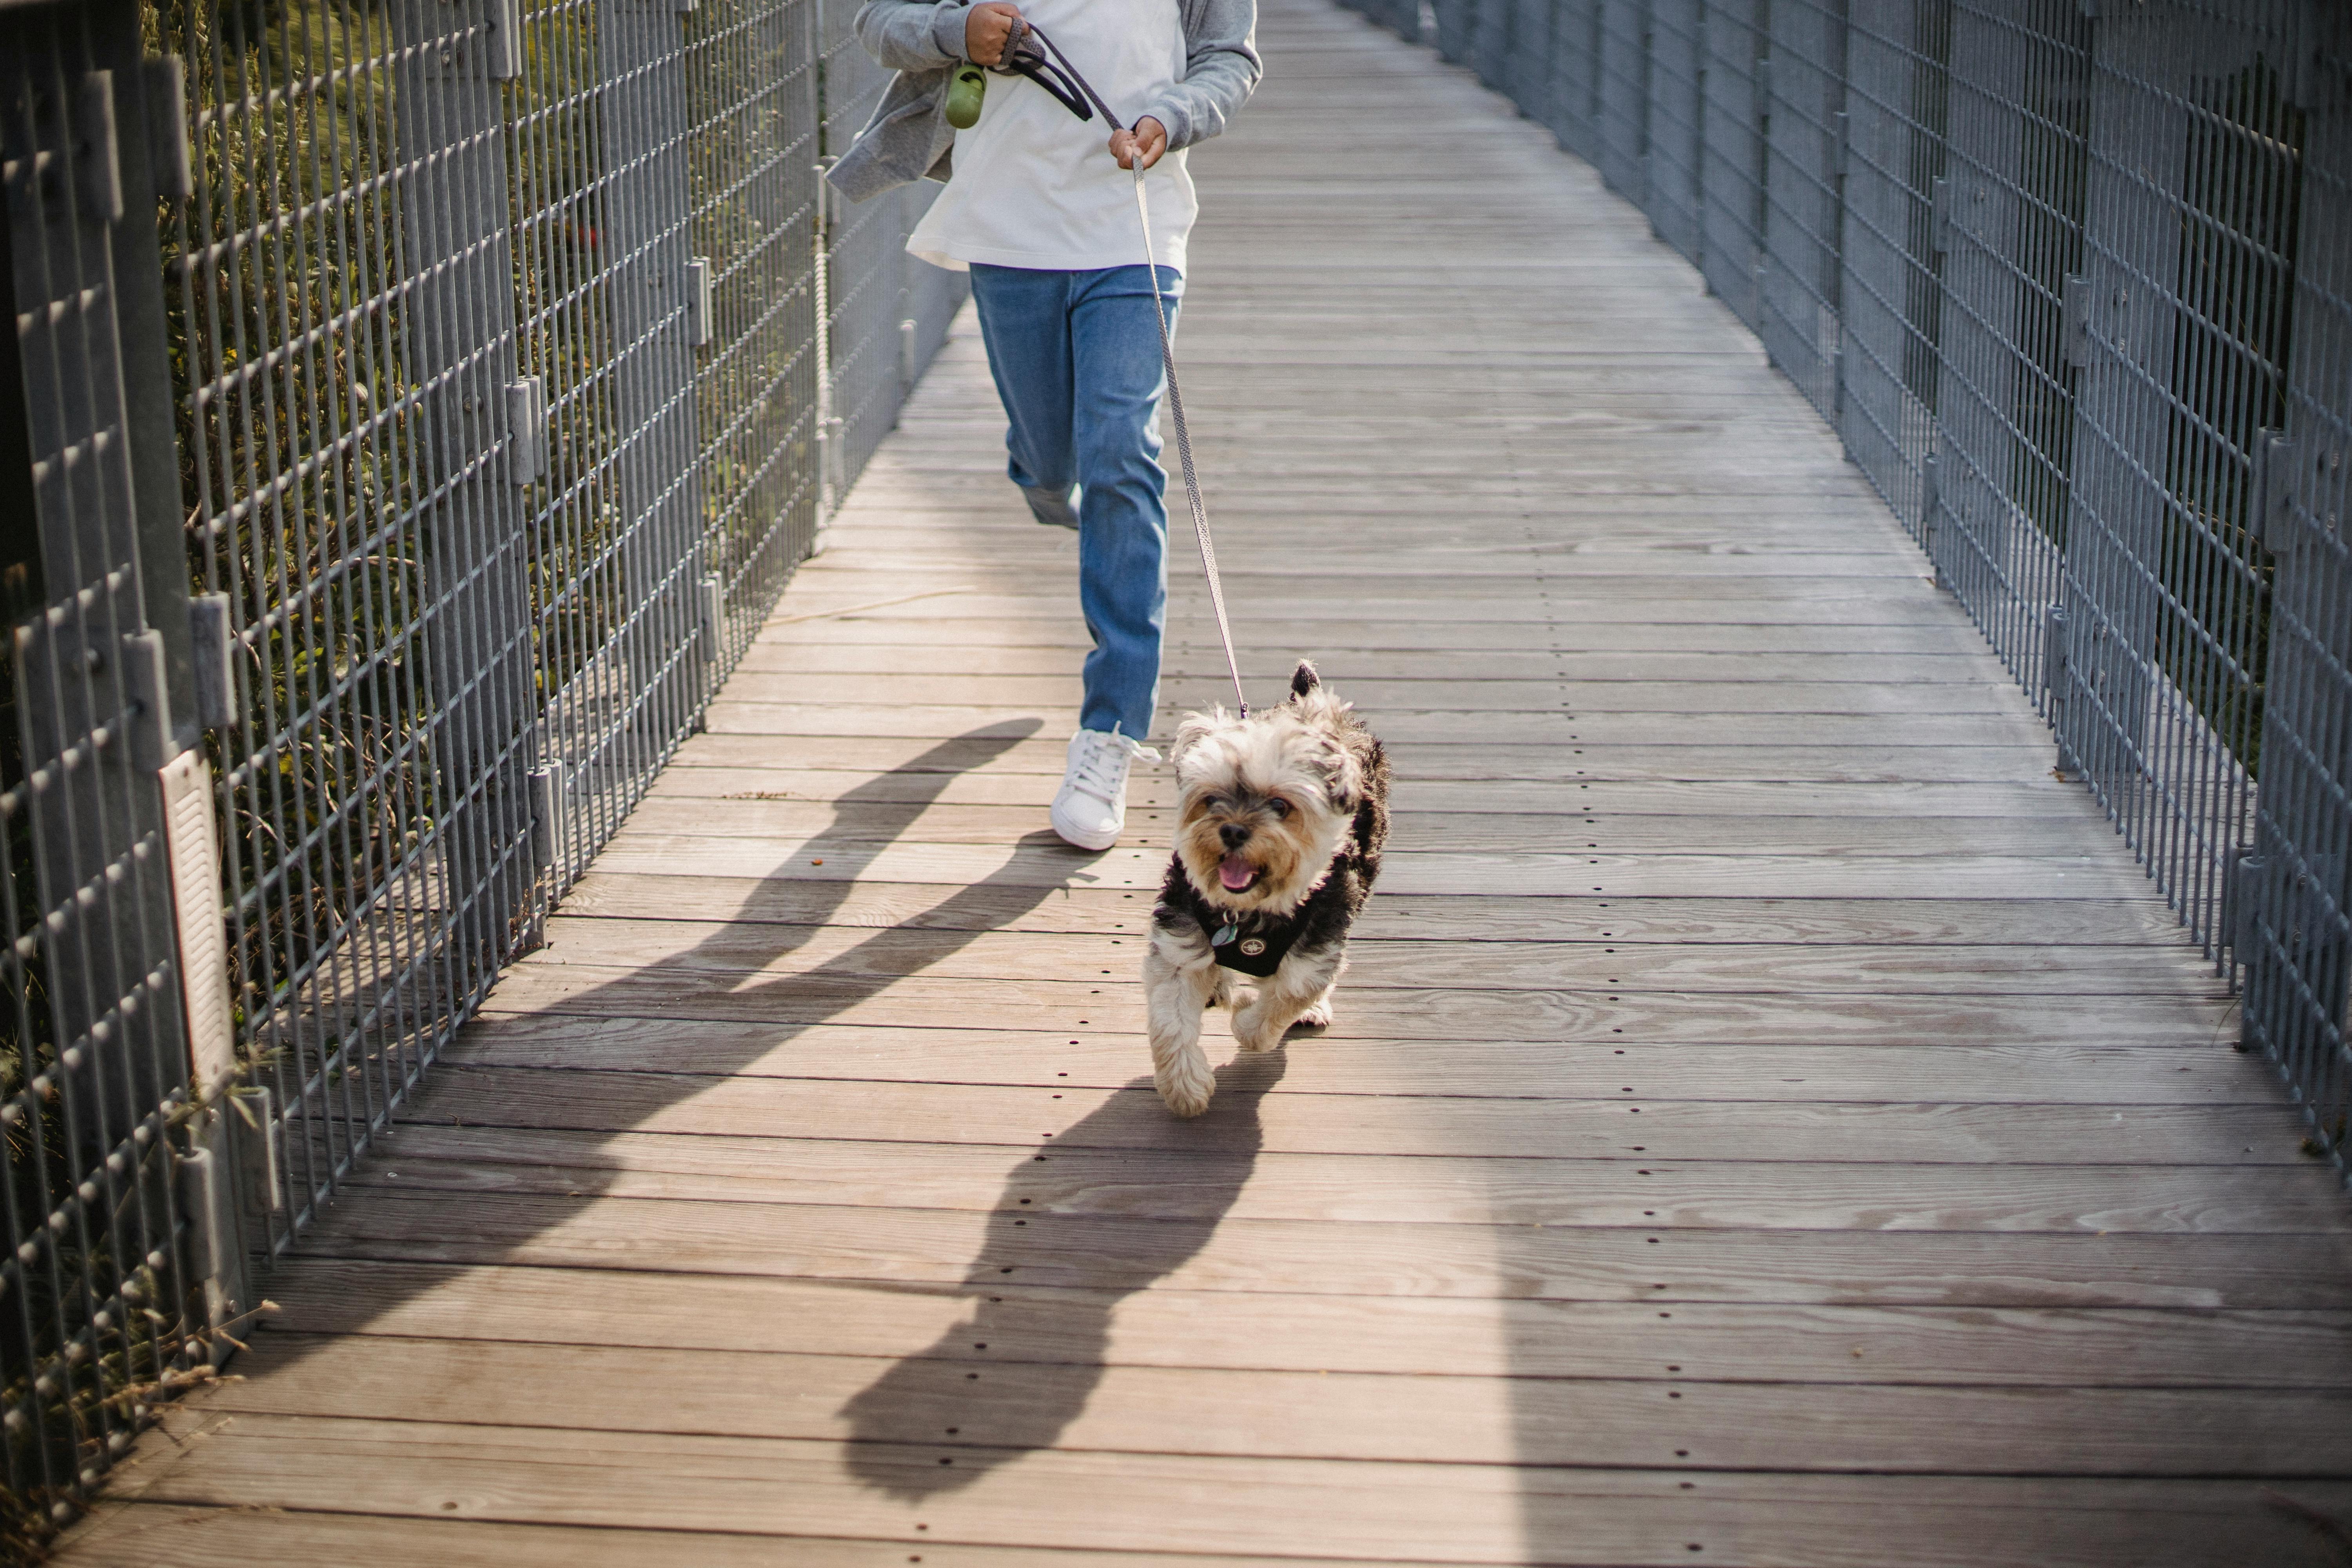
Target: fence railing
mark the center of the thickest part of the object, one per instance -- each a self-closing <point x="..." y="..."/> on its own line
<point x="2072" y="280"/>
<point x="412" y="409"/>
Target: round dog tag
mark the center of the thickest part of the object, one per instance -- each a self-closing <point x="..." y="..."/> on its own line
<point x="1252" y="946"/>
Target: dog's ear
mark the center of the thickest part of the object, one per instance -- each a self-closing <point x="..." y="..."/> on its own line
<point x="1343" y="774"/>
<point x="1302" y="681"/>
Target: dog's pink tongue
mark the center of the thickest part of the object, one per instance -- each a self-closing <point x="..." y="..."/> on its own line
<point x="1235" y="873"/>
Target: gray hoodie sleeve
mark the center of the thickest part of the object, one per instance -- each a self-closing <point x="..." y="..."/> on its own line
<point x="912" y="34"/>
<point x="1221" y="69"/>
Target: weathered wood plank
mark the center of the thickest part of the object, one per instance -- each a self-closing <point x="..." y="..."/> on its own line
<point x="1389" y="955"/>
<point x="947" y="629"/>
<point x="1078" y="1404"/>
<point x="238" y="1538"/>
<point x="1428" y="1014"/>
<point x="942" y="906"/>
<point x="1387" y="1512"/>
<point x="1007" y="748"/>
<point x="2086" y="1132"/>
<point x="1956" y="693"/>
<point x="2030" y="802"/>
<point x="1460" y="1337"/>
<point x="930" y="1248"/>
<point x="1151" y="820"/>
<point x="1405" y="729"/>
<point x="1943" y="1071"/>
<point x="1366" y="676"/>
<point x="1728" y="1191"/>
<point x="1042" y="862"/>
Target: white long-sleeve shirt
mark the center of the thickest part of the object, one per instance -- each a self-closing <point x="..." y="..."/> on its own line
<point x="1037" y="186"/>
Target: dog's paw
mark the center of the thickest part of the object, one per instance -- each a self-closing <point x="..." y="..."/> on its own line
<point x="1253" y="1030"/>
<point x="1186" y="1084"/>
<point x="1185" y="1101"/>
<point x="1316" y="1017"/>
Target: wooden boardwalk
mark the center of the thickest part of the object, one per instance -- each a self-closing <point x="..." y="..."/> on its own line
<point x="1769" y="1119"/>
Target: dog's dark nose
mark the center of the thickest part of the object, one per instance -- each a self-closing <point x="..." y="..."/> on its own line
<point x="1234" y="834"/>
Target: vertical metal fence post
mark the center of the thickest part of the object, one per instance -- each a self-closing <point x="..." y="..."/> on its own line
<point x="1575" y="60"/>
<point x="1888" y="292"/>
<point x="1621" y="75"/>
<point x="150" y="156"/>
<point x="1526" y="68"/>
<point x="1732" y="165"/>
<point x="1490" y="39"/>
<point x="459" y="351"/>
<point x="872" y="284"/>
<point x="1675" y="100"/>
<point x="2011" y="234"/>
<point x="2287" y="921"/>
<point x="645" y="186"/>
<point x="2195" y="170"/>
<point x="753" y="109"/>
<point x="2116" y="513"/>
<point x="1801" y="79"/>
<point x="828" y="434"/>
<point x="123" y="1262"/>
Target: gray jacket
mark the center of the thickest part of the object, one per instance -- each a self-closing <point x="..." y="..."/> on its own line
<point x="910" y="137"/>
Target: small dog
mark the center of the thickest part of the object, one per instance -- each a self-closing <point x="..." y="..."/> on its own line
<point x="1280" y="819"/>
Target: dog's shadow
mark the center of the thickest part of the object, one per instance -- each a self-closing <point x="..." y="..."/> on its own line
<point x="1122" y="1199"/>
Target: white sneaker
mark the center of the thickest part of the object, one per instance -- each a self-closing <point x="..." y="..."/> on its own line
<point x="1091" y="808"/>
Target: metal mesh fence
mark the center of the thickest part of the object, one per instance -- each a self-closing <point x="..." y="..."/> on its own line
<point x="1730" y="179"/>
<point x="413" y="408"/>
<point x="105" y="1160"/>
<point x="1674" y="126"/>
<point x="886" y="313"/>
<point x="343" y="303"/>
<point x="2070" y="279"/>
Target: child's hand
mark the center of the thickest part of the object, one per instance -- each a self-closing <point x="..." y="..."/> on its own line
<point x="985" y="31"/>
<point x="1148" y="140"/>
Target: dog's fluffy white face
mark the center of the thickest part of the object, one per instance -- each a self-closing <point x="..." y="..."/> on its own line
<point x="1264" y="802"/>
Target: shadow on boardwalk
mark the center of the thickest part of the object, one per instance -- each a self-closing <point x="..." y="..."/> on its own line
<point x="996" y="1411"/>
<point x="998" y="1414"/>
<point x="879" y="812"/>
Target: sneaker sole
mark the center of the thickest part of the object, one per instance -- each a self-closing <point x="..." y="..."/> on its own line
<point x="1083" y="841"/>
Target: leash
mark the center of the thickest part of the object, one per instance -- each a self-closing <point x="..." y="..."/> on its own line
<point x="1078" y="102"/>
<point x="1057" y="76"/>
<point x="1184" y="445"/>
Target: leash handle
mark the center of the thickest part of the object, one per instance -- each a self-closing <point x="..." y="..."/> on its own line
<point x="1075" y="93"/>
<point x="1184" y="441"/>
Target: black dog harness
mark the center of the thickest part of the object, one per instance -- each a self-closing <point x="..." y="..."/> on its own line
<point x="1248" y="944"/>
<point x="1255" y="949"/>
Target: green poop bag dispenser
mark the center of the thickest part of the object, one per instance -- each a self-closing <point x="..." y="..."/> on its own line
<point x="965" y="90"/>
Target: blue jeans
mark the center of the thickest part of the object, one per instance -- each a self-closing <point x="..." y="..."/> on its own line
<point x="1076" y="360"/>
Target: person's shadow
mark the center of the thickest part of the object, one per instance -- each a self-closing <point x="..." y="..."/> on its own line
<point x="707" y="983"/>
<point x="1121" y="1199"/>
